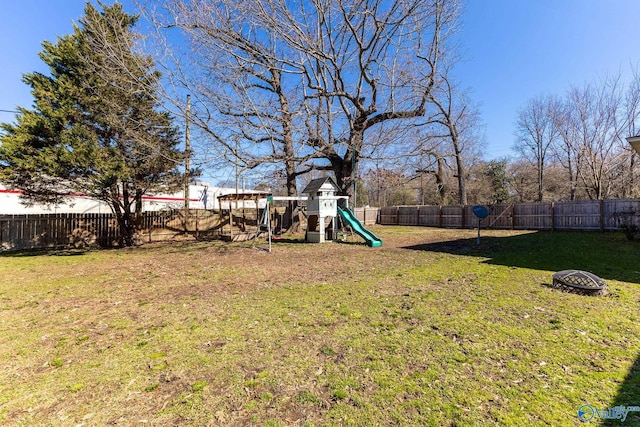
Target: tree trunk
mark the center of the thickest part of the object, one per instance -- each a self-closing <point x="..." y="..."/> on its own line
<point x="540" y="179"/>
<point x="442" y="192"/>
<point x="462" y="189"/>
<point x="125" y="219"/>
<point x="290" y="170"/>
<point x="138" y="215"/>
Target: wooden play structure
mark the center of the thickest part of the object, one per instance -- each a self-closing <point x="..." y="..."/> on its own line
<point x="240" y="215"/>
<point x="323" y="213"/>
<point x="248" y="215"/>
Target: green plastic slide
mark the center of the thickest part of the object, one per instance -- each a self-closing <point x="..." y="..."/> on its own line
<point x="355" y="224"/>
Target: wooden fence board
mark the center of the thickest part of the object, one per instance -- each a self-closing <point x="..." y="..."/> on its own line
<point x="451" y="216"/>
<point x="429" y="216"/>
<point x="500" y="216"/>
<point x="577" y="215"/>
<point x="621" y="211"/>
<point x="389" y="215"/>
<point x="538" y="216"/>
<point x="406" y="215"/>
<point x="367" y="215"/>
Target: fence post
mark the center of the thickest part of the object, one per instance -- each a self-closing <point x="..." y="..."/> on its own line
<point x="601" y="215"/>
<point x="417" y="215"/>
<point x="397" y="215"/>
<point x="513" y="214"/>
<point x="553" y="216"/>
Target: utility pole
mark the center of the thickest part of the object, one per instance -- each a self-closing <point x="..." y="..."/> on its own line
<point x="187" y="162"/>
<point x="236" y="176"/>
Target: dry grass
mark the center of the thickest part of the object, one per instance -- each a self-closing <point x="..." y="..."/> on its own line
<point x="429" y="330"/>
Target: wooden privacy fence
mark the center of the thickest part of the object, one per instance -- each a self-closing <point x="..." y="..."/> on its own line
<point x="367" y="215"/>
<point x="565" y="215"/>
<point x="55" y="230"/>
<point x="19" y="232"/>
<point x="68" y="230"/>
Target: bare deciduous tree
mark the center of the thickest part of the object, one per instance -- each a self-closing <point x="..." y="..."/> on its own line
<point x="590" y="129"/>
<point x="249" y="98"/>
<point x="536" y="133"/>
<point x="299" y="81"/>
<point x="564" y="152"/>
<point x="460" y="121"/>
<point x="626" y="182"/>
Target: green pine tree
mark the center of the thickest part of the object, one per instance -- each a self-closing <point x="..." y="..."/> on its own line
<point x="496" y="172"/>
<point x="96" y="126"/>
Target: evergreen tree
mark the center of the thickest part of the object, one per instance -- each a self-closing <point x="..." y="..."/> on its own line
<point x="96" y="127"/>
<point x="496" y="173"/>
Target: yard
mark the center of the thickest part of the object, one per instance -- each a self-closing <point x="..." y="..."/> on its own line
<point x="429" y="329"/>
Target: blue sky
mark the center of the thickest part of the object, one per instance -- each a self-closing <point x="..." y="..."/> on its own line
<point x="516" y="50"/>
<point x="513" y="50"/>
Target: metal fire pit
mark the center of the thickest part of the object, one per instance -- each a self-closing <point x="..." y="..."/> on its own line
<point x="579" y="281"/>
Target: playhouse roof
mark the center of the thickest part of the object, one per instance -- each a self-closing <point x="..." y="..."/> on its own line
<point x="244" y="195"/>
<point x="316" y="184"/>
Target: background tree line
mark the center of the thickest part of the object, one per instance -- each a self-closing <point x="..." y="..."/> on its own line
<point x="573" y="145"/>
<point x="567" y="147"/>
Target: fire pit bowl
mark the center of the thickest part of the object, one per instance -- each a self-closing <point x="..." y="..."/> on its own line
<point x="579" y="281"/>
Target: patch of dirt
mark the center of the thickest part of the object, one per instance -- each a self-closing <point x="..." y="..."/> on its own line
<point x="202" y="269"/>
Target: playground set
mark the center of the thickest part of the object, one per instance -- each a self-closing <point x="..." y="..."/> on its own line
<point x="322" y="211"/>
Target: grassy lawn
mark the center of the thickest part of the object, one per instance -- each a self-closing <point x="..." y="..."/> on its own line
<point x="426" y="330"/>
